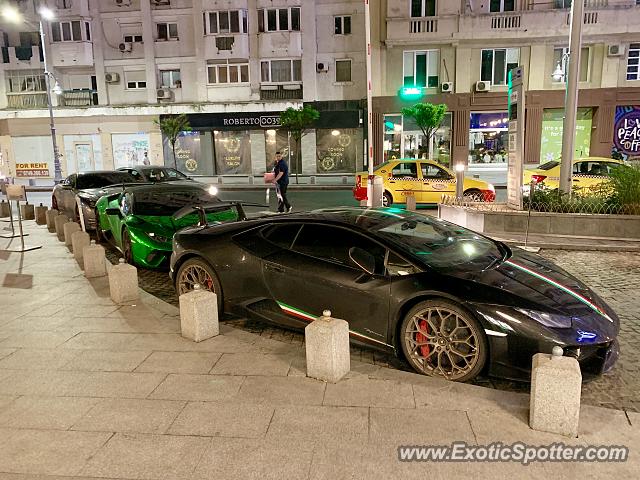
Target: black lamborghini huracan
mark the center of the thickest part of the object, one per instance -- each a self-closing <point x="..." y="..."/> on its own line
<point x="452" y="302"/>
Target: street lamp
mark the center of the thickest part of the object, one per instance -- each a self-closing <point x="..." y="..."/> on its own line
<point x="558" y="74"/>
<point x="45" y="14"/>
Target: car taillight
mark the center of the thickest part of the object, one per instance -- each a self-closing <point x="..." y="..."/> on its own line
<point x="538" y="178"/>
<point x="358" y="181"/>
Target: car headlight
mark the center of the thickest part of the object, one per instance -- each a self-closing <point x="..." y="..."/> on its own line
<point x="550" y="320"/>
<point x="159" y="238"/>
<point x="213" y="191"/>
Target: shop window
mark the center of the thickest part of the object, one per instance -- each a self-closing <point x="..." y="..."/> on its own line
<point x="405" y="170"/>
<point x="135" y="80"/>
<point x="502" y="5"/>
<point x="225" y="22"/>
<point x="561" y="60"/>
<point x="129" y="149"/>
<point x="633" y="62"/>
<point x="343" y="70"/>
<point x="281" y="71"/>
<point x="194" y="153"/>
<point x="421" y="68"/>
<point x="342" y="25"/>
<point x="221" y="72"/>
<point x="170" y="79"/>
<point x="423" y="8"/>
<point x="488" y="138"/>
<point x="404" y="139"/>
<point x="167" y="31"/>
<point x="279" y="19"/>
<point x="66" y="31"/>
<point x="551" y="141"/>
<point x="338" y="150"/>
<point x="392" y="145"/>
<point x="497" y="62"/>
<point x="280" y="141"/>
<point x="232" y="152"/>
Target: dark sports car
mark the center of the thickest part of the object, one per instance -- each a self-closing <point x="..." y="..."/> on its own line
<point x="155" y="174"/>
<point x="452" y="302"/>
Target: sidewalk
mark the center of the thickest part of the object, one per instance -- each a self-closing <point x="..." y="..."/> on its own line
<point x="89" y="389"/>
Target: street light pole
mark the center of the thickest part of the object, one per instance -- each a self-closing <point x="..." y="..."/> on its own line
<point x="367" y="24"/>
<point x="47" y="75"/>
<point x="571" y="101"/>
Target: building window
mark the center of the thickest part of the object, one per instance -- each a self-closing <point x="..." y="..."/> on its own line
<point x="633" y="62"/>
<point x="66" y="31"/>
<point x="225" y="21"/>
<point x="421" y="68"/>
<point x="133" y="39"/>
<point x="135" y="80"/>
<point x="496" y="63"/>
<point x="170" y="79"/>
<point x="343" y="70"/>
<point x="281" y="71"/>
<point x="561" y="59"/>
<point x="423" y="8"/>
<point x="342" y="25"/>
<point x="167" y="31"/>
<point x="20" y="81"/>
<point x="279" y="19"/>
<point x="563" y="3"/>
<point x="226" y="71"/>
<point x="502" y="6"/>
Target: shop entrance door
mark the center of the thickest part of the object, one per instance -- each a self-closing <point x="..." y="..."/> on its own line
<point x="84" y="156"/>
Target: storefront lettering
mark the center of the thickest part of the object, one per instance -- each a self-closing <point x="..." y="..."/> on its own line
<point x="264" y="121"/>
<point x="627" y="132"/>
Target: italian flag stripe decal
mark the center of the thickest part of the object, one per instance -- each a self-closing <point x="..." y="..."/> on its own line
<point x="576" y="295"/>
<point x="296" y="312"/>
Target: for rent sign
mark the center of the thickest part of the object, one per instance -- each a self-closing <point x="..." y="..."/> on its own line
<point x="32" y="170"/>
<point x="627" y="131"/>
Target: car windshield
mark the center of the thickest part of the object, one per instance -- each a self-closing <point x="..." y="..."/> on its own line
<point x="163" y="174"/>
<point x="99" y="180"/>
<point x="168" y="203"/>
<point x="441" y="244"/>
<point x="548" y="165"/>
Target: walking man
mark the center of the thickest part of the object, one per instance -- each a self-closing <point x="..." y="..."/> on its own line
<point x="281" y="180"/>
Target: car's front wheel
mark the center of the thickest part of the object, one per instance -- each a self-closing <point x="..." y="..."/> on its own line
<point x="100" y="236"/>
<point x="387" y="199"/>
<point x="440" y="339"/>
<point x="198" y="271"/>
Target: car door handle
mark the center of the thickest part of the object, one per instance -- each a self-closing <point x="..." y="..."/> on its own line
<point x="274" y="268"/>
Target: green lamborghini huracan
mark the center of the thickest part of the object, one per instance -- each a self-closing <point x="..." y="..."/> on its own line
<point x="141" y="220"/>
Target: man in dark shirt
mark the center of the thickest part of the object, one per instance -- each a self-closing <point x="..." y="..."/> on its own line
<point x="281" y="181"/>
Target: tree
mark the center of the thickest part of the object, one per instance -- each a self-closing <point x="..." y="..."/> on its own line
<point x="297" y="122"/>
<point x="171" y="127"/>
<point x="428" y="117"/>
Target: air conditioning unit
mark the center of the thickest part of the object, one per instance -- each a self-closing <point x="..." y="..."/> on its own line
<point x="112" y="77"/>
<point x="125" y="46"/>
<point x="123" y="3"/>
<point x="322" y="67"/>
<point x="615" y="50"/>
<point x="163" y="94"/>
<point x="447" y="87"/>
<point x="483" y="86"/>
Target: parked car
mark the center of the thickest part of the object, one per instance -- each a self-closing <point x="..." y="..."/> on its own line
<point x="139" y="220"/>
<point x="88" y="187"/>
<point x="155" y="173"/>
<point x="425" y="179"/>
<point x="452" y="302"/>
<point x="588" y="173"/>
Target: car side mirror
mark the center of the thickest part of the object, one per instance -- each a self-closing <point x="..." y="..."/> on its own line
<point x="363" y="259"/>
<point x="112" y="211"/>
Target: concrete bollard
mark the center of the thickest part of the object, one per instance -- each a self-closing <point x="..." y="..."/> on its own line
<point x="95" y="262"/>
<point x="27" y="211"/>
<point x="123" y="282"/>
<point x="79" y="240"/>
<point x="199" y="314"/>
<point x="69" y="229"/>
<point x="59" y="225"/>
<point x="5" y="210"/>
<point x="51" y="217"/>
<point x="327" y="345"/>
<point x="41" y="215"/>
<point x="411" y="203"/>
<point x="556" y="383"/>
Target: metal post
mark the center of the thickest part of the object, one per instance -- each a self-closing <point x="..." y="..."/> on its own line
<point x="56" y="155"/>
<point x="571" y="102"/>
<point x="367" y="24"/>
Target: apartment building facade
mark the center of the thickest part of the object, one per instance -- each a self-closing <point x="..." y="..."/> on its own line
<point x="459" y="53"/>
<point x="231" y="65"/>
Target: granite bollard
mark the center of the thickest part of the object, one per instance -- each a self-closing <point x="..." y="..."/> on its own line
<point x="59" y="226"/>
<point x="69" y="229"/>
<point x="327" y="347"/>
<point x="41" y="214"/>
<point x="123" y="282"/>
<point x="51" y="217"/>
<point x="411" y="203"/>
<point x="556" y="383"/>
<point x="199" y="314"/>
<point x="95" y="262"/>
<point x="79" y="240"/>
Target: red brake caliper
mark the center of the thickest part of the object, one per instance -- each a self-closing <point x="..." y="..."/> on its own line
<point x="424" y="349"/>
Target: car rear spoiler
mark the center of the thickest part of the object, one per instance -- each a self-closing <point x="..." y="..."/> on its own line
<point x="202" y="210"/>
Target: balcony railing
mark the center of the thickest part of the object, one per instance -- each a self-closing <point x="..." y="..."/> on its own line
<point x="27" y="100"/>
<point x="79" y="98"/>
<point x="425" y="25"/>
<point x="281" y="92"/>
<point x="506" y="22"/>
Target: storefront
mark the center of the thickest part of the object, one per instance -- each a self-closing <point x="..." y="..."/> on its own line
<point x="404" y="139"/>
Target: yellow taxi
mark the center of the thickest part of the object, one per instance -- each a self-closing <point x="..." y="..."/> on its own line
<point x="424" y="179"/>
<point x="589" y="173"/>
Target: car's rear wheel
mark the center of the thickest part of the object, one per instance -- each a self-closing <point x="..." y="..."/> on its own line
<point x="387" y="199"/>
<point x="473" y="196"/>
<point x="100" y="236"/>
<point x="440" y="339"/>
<point x="127" y="249"/>
<point x="198" y="271"/>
